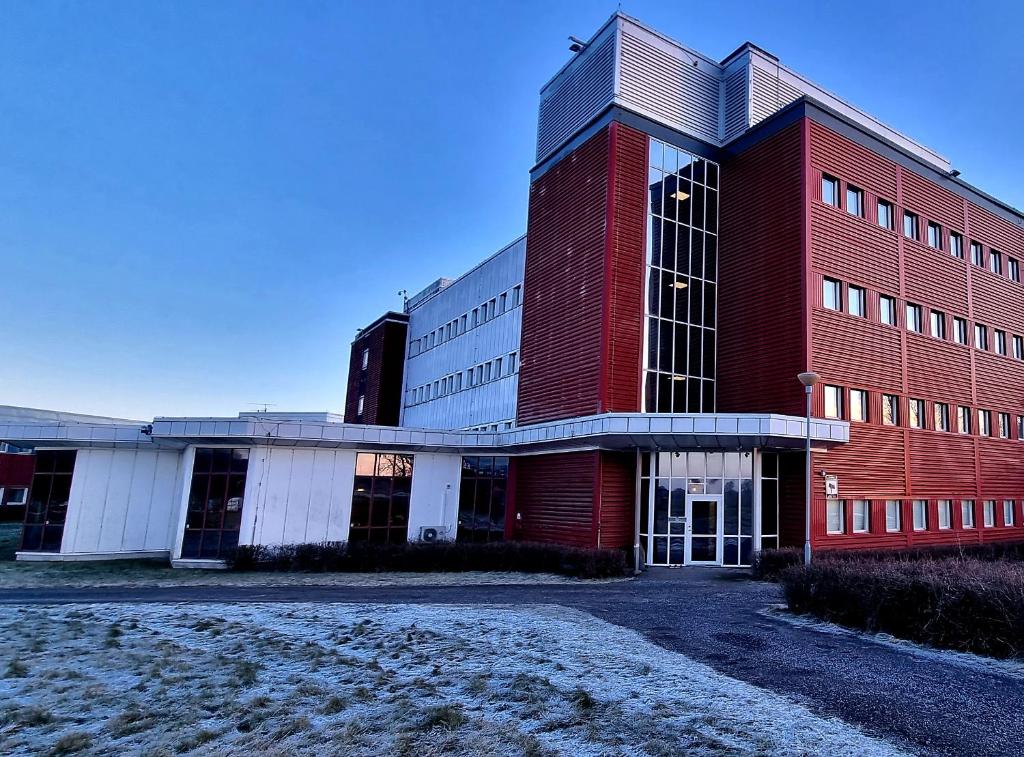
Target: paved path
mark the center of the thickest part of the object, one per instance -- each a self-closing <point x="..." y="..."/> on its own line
<point x="926" y="703"/>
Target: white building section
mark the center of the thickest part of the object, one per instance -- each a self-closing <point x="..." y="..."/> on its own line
<point x="462" y="364"/>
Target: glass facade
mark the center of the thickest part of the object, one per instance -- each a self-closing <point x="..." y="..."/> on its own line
<point x="380" y="498"/>
<point x="682" y="268"/>
<point x="482" y="499"/>
<point x="48" y="502"/>
<point x="214" y="515"/>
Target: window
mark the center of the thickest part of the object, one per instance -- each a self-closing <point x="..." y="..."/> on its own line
<point x="887" y="310"/>
<point x="988" y="509"/>
<point x="916" y="413"/>
<point x="910" y="226"/>
<point x="854" y="201"/>
<point x="977" y="254"/>
<point x="497" y="367"/>
<point x="48" y="505"/>
<point x="512" y="362"/>
<point x="967" y="513"/>
<point x="861" y="516"/>
<point x="832" y="294"/>
<point x="502" y="303"/>
<point x="214" y="516"/>
<point x="365" y="359"/>
<point x="1013" y="269"/>
<point x="1007" y="512"/>
<point x="934" y="235"/>
<point x="482" y="491"/>
<point x="959" y="330"/>
<point x="458" y="381"/>
<point x="829" y="190"/>
<point x="938" y="323"/>
<point x="517" y="293"/>
<point x="1020" y="426"/>
<point x="833" y="402"/>
<point x="995" y="261"/>
<point x="941" y="416"/>
<point x="890" y="410"/>
<point x="835" y="516"/>
<point x="914" y="317"/>
<point x="985" y="422"/>
<point x="16" y="496"/>
<point x="945" y="514"/>
<point x="892" y="515"/>
<point x="1004" y="425"/>
<point x="857" y="302"/>
<point x="476" y="317"/>
<point x="1018" y="347"/>
<point x="963" y="419"/>
<point x="858" y="405"/>
<point x="956" y="245"/>
<point x="885" y="216"/>
<point x="920" y="515"/>
<point x="1000" y="341"/>
<point x="359" y="405"/>
<point x="980" y="336"/>
<point x="380" y="498"/>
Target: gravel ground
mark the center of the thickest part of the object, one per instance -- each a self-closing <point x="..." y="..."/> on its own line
<point x="927" y="702"/>
<point x="377" y="679"/>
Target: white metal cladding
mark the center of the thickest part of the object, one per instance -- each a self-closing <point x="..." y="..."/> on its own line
<point x="578" y="95"/>
<point x="497" y="337"/>
<point x="122" y="500"/>
<point x="655" y="76"/>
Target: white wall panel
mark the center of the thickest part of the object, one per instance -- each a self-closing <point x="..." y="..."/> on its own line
<point x="435" y="493"/>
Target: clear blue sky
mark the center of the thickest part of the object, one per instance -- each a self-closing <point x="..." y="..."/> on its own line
<point x="201" y="201"/>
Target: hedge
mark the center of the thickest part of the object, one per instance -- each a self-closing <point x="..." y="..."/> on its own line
<point x="363" y="557"/>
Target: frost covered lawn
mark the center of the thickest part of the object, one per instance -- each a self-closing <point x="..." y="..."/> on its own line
<point x="375" y="679"/>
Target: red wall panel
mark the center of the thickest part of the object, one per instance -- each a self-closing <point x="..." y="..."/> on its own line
<point x="842" y="158"/>
<point x="849" y="249"/>
<point x="616" y="520"/>
<point x="16" y="470"/>
<point x="838" y="338"/>
<point x="994" y="231"/>
<point x="934" y="278"/>
<point x="925" y="379"/>
<point x="555" y="498"/>
<point x="760" y="272"/>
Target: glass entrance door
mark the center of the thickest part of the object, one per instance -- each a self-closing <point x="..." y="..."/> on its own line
<point x="704" y="529"/>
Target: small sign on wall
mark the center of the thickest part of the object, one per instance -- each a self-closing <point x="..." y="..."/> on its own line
<point x="831" y="486"/>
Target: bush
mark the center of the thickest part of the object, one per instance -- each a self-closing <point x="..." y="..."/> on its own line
<point x="970" y="605"/>
<point x="769" y="563"/>
<point x="362" y="557"/>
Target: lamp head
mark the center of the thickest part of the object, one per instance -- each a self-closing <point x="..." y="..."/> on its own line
<point x="808" y="378"/>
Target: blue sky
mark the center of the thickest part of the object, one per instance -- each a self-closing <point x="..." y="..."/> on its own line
<point x="201" y="202"/>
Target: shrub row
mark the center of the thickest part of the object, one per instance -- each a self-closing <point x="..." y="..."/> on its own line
<point x="969" y="605"/>
<point x="439" y="557"/>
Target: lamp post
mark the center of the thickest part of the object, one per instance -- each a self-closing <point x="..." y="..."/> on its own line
<point x="808" y="379"/>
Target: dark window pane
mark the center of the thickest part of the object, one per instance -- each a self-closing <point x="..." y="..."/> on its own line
<point x="681" y="349"/>
<point x="52" y="537"/>
<point x="239" y="460"/>
<point x="221" y="460"/>
<point x="31" y="537"/>
<point x="696" y="303"/>
<point x="730" y="550"/>
<point x="203" y="460"/>
<point x="696" y="266"/>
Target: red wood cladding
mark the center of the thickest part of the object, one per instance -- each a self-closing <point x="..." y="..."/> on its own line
<point x="1000" y="383"/>
<point x="995" y="231"/>
<point x="934" y="278"/>
<point x="852" y="250"/>
<point x="875" y="349"/>
<point x="616" y="524"/>
<point x="583" y="310"/>
<point x="871" y="465"/>
<point x="760" y="273"/>
<point x="932" y="201"/>
<point x="996" y="301"/>
<point x="950" y="384"/>
<point x="840" y="157"/>
<point x="16" y="470"/>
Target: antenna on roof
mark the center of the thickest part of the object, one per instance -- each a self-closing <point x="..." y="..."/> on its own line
<point x="264" y="405"/>
<point x="404" y="294"/>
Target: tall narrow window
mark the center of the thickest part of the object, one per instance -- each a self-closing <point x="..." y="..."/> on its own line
<point x="959" y="330"/>
<point x="1004" y="425"/>
<point x="832" y="294"/>
<point x="920" y="515"/>
<point x="977" y="254"/>
<point x="380" y="498"/>
<point x="945" y="514"/>
<point x="854" y="201"/>
<point x="1013" y="269"/>
<point x="988" y="508"/>
<point x="857" y="301"/>
<point x="359" y="405"/>
<point x="967" y="513"/>
<point x="517" y="293"/>
<point x="858" y="405"/>
<point x="214" y="516"/>
<point x="1008" y="512"/>
<point x="892" y="515"/>
<point x="829" y="190"/>
<point x="833" y="402"/>
<point x="365" y="359"/>
<point x="980" y="336"/>
<point x="913" y="317"/>
<point x="938" y="323"/>
<point x="995" y="262"/>
<point x="48" y="501"/>
<point x="963" y="419"/>
<point x="985" y="422"/>
<point x="890" y="410"/>
<point x="941" y="416"/>
<point x="910" y="226"/>
<point x="916" y="413"/>
<point x="1000" y="338"/>
<point x="956" y="245"/>
<point x="887" y="310"/>
<point x="885" y="215"/>
<point x="482" y="499"/>
<point x="835" y="516"/>
<point x="934" y="235"/>
<point x="1018" y="347"/>
<point x="861" y="516"/>
<point x="512" y="356"/>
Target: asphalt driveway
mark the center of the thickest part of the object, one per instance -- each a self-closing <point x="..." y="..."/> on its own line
<point x="927" y="703"/>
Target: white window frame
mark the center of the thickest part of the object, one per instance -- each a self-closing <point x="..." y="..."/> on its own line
<point x="988" y="513"/>
<point x="919" y="404"/>
<point x="858" y="295"/>
<point x="893" y="516"/>
<point x="1008" y="512"/>
<point x="967" y="509"/>
<point x="893" y="319"/>
<point x="861" y="403"/>
<point x="14" y="502"/>
<point x="834" y="286"/>
<point x="945" y="514"/>
<point x="835" y="508"/>
<point x="920" y="513"/>
<point x="836" y="393"/>
<point x="862" y="512"/>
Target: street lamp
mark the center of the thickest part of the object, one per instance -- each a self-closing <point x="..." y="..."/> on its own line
<point x="808" y="379"/>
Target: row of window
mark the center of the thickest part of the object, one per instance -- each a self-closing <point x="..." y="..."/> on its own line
<point x="491" y="370"/>
<point x="860" y="520"/>
<point x="854" y="405"/>
<point x="935" y="236"/>
<point x="479" y="315"/>
<point x="506" y="425"/>
<point x="939" y="325"/>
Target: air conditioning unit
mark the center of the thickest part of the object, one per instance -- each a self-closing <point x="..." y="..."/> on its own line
<point x="431" y="534"/>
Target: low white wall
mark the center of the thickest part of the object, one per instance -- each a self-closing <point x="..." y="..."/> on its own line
<point x="435" y="494"/>
<point x="122" y="501"/>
